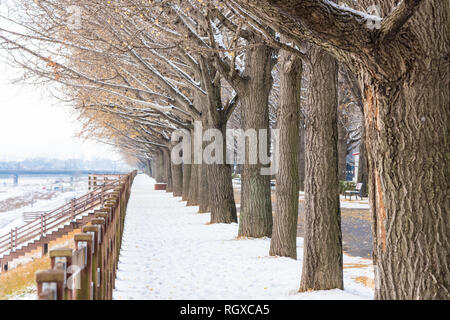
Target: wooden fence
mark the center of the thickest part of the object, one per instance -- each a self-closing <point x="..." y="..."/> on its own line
<point x="98" y="180"/>
<point x="51" y="220"/>
<point x="88" y="272"/>
<point x="28" y="217"/>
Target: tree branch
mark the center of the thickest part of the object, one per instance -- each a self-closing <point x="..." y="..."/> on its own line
<point x="392" y="24"/>
<point x="339" y="29"/>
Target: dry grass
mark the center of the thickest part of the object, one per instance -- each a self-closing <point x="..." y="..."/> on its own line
<point x="22" y="277"/>
<point x="366" y="281"/>
<point x="355" y="265"/>
<point x="17" y="280"/>
<point x="22" y="201"/>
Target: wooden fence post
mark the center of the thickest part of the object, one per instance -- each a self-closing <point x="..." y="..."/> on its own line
<point x="84" y="240"/>
<point x="115" y="200"/>
<point x="112" y="246"/>
<point x="103" y="195"/>
<point x="50" y="284"/>
<point x="100" y="274"/>
<point x="96" y="254"/>
<point x="96" y="233"/>
<point x="61" y="259"/>
<point x="3" y="266"/>
<point x="72" y="209"/>
<point x="104" y="213"/>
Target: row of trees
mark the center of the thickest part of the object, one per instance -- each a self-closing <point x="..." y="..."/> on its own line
<point x="325" y="75"/>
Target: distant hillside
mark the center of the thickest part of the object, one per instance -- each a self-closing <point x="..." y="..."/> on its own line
<point x="69" y="164"/>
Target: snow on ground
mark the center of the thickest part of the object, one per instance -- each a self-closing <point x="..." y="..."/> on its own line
<point x="355" y="204"/>
<point x="30" y="185"/>
<point x="169" y="251"/>
<point x="346" y="202"/>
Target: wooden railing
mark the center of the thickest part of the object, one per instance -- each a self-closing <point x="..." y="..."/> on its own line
<point x="88" y="272"/>
<point x="30" y="216"/>
<point x="51" y="220"/>
<point x="98" y="180"/>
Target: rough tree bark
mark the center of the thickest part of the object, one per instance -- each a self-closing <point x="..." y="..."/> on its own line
<point x="159" y="167"/>
<point x="362" y="167"/>
<point x="301" y="155"/>
<point x="176" y="173"/>
<point x="167" y="170"/>
<point x="322" y="249"/>
<point x="342" y="150"/>
<point x="406" y="143"/>
<point x="284" y="233"/>
<point x="203" y="190"/>
<point x="406" y="109"/>
<point x="193" y="186"/>
<point x="404" y="68"/>
<point x="223" y="206"/>
<point x="153" y="167"/>
<point x="177" y="179"/>
<point x="186" y="181"/>
<point x="220" y="187"/>
<point x="211" y="184"/>
<point x="193" y="183"/>
<point x="256" y="206"/>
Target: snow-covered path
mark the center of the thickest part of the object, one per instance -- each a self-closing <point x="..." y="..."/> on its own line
<point x="169" y="251"/>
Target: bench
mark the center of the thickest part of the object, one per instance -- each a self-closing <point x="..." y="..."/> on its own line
<point x="356" y="191"/>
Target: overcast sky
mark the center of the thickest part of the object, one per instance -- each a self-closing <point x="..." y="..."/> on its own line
<point x="32" y="124"/>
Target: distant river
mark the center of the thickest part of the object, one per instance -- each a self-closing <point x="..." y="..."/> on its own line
<point x="35" y="193"/>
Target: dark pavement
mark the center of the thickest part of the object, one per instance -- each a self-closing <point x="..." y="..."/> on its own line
<point x="356" y="228"/>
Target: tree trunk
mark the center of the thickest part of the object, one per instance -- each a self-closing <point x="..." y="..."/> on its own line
<point x="159" y="166"/>
<point x="408" y="187"/>
<point x="193" y="183"/>
<point x="407" y="149"/>
<point x="322" y="249"/>
<point x="363" y="176"/>
<point x="342" y="150"/>
<point x="256" y="206"/>
<point x="406" y="109"/>
<point x="177" y="179"/>
<point x="153" y="167"/>
<point x="284" y="234"/>
<point x="301" y="155"/>
<point x="219" y="187"/>
<point x="203" y="190"/>
<point x="186" y="181"/>
<point x="223" y="206"/>
<point x="167" y="170"/>
<point x="148" y="163"/>
<point x="193" y="186"/>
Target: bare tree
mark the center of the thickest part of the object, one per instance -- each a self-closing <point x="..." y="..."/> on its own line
<point x="400" y="59"/>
